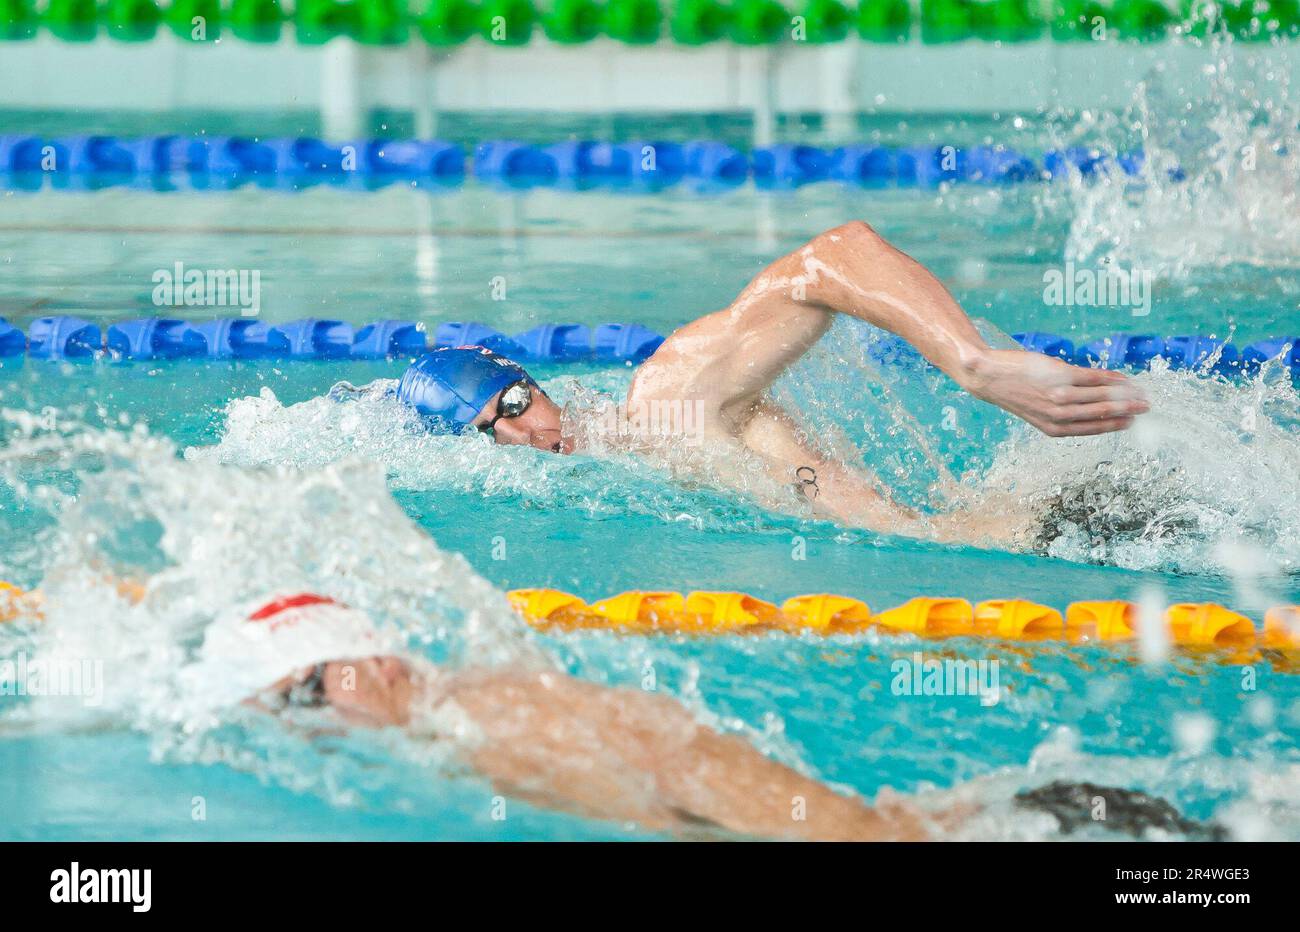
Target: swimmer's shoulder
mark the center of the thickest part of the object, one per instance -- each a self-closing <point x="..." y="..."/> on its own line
<point x="680" y="367"/>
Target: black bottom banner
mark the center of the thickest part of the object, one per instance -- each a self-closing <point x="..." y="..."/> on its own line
<point x="331" y="881"/>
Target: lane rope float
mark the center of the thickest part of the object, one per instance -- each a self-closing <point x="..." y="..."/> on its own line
<point x="69" y="337"/>
<point x="1196" y="625"/>
<point x="216" y="163"/>
<point x="75" y="338"/>
<point x="449" y="23"/>
<point x="1203" y="625"/>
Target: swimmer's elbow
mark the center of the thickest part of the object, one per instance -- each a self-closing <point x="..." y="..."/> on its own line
<point x="854" y="236"/>
<point x="820" y="267"/>
<point x="836" y="256"/>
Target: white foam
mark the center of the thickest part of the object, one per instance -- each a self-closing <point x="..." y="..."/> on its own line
<point x="1193" y="482"/>
<point x="205" y="538"/>
<point x="1234" y="139"/>
<point x="261" y="432"/>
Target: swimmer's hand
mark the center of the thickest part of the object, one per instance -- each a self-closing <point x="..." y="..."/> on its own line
<point x="1059" y="399"/>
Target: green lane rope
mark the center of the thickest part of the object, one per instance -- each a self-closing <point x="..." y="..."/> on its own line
<point x="642" y="22"/>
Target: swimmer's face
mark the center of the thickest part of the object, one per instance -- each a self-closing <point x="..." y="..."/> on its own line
<point x="538" y="427"/>
<point x="370" y="692"/>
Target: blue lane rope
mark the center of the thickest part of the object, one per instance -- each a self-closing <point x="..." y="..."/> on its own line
<point x="1192" y="351"/>
<point x="71" y="338"/>
<point x="169" y="163"/>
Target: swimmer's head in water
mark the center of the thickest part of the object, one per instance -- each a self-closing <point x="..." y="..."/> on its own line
<point x="1075" y="806"/>
<point x="471" y="386"/>
<point x="1109" y="506"/>
<point x="282" y="640"/>
<point x="370" y="691"/>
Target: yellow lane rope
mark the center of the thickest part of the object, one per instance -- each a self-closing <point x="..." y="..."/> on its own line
<point x="1186" y="624"/>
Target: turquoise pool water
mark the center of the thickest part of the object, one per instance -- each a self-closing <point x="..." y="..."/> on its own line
<point x="219" y="480"/>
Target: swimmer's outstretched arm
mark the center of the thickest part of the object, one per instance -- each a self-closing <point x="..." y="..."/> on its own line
<point x="730" y="358"/>
<point x="625" y="755"/>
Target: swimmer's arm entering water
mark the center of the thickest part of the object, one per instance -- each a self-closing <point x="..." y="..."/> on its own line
<point x="626" y="755"/>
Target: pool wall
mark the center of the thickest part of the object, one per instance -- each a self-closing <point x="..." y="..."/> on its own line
<point x="347" y="83"/>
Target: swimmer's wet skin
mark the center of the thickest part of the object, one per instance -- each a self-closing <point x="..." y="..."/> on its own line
<point x="537" y="735"/>
<point x="562" y="743"/>
<point x="724" y="364"/>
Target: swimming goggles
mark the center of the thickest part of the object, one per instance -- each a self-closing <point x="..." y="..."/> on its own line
<point x="308" y="693"/>
<point x="513" y="401"/>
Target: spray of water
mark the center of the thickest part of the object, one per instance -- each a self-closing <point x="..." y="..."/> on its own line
<point x="612" y="477"/>
<point x="197" y="540"/>
<point x="1208" y="471"/>
<point x="1219" y="183"/>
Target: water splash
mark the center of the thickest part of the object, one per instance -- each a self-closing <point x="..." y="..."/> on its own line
<point x="1213" y="465"/>
<point x="1219" y="183"/>
<point x="200" y="539"/>
<point x="606" y="480"/>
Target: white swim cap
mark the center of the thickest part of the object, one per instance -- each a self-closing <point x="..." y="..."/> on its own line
<point x="246" y="651"/>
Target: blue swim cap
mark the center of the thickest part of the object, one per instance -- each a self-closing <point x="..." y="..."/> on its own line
<point x="451" y="386"/>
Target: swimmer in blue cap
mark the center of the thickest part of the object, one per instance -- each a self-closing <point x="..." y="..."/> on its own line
<point x="471" y="385"/>
<point x="721" y="366"/>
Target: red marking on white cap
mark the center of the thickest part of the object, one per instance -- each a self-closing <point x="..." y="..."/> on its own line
<point x="271" y="609"/>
